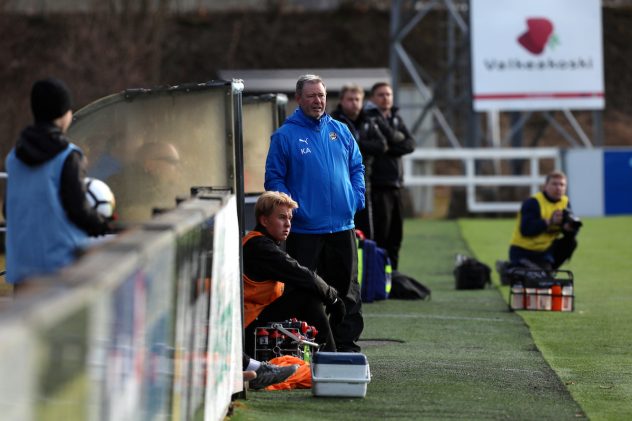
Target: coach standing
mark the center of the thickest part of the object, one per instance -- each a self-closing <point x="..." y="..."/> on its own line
<point x="316" y="160"/>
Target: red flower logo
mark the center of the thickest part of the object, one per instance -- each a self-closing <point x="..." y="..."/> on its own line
<point x="536" y="37"/>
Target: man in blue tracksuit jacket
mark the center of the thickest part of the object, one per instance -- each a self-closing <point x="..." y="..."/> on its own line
<point x="316" y="160"/>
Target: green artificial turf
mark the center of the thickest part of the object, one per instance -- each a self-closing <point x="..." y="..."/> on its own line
<point x="591" y="348"/>
<point x="461" y="355"/>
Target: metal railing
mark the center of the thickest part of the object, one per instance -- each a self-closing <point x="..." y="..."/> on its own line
<point x="471" y="180"/>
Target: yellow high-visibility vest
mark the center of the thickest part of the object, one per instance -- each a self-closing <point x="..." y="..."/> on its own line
<point x="542" y="241"/>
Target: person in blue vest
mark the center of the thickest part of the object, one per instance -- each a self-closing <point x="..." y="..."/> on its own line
<point x="47" y="214"/>
<point x="546" y="230"/>
<point x="316" y="161"/>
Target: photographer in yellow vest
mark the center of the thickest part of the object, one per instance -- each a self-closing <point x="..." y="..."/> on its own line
<point x="546" y="229"/>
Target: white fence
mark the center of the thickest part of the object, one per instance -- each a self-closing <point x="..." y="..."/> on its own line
<point x="470" y="180"/>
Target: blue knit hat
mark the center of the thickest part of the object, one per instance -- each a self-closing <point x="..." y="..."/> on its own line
<point x="50" y="99"/>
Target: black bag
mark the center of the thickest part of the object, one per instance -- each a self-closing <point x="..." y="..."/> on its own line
<point x="469" y="273"/>
<point x="405" y="287"/>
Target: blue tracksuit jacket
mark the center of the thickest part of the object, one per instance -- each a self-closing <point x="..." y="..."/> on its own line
<point x="319" y="164"/>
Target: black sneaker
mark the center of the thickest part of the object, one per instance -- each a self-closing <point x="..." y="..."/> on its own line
<point x="352" y="347"/>
<point x="268" y="374"/>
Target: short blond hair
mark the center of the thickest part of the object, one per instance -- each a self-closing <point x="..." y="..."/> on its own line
<point x="269" y="200"/>
<point x="555" y="174"/>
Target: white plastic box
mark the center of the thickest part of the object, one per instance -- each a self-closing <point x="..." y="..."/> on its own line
<point x="344" y="374"/>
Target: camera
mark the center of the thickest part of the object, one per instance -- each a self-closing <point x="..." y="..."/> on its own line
<point x="568" y="217"/>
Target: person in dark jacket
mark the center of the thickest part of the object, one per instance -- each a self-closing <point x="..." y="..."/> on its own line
<point x="268" y="269"/>
<point x="48" y="216"/>
<point x="387" y="174"/>
<point x="370" y="140"/>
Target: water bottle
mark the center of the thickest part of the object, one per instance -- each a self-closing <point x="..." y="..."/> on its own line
<point x="567" y="298"/>
<point x="307" y="353"/>
<point x="556" y="302"/>
<point x="311" y="333"/>
<point x="544" y="298"/>
<point x="530" y="299"/>
<point x="262" y="352"/>
<point x="517" y="297"/>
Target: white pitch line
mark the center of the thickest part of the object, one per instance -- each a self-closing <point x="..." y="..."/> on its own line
<point x="429" y="316"/>
<point x="464" y="366"/>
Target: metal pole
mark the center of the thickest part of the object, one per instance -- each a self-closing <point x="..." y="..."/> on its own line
<point x="597" y="117"/>
<point x="516" y="139"/>
<point x="393" y="59"/>
<point x="473" y="118"/>
<point x="450" y="77"/>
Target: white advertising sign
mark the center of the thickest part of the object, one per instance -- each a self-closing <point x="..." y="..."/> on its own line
<point x="224" y="359"/>
<point x="537" y="54"/>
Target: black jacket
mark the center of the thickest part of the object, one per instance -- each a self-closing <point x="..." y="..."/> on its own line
<point x="41" y="142"/>
<point x="367" y="134"/>
<point x="388" y="170"/>
<point x="264" y="260"/>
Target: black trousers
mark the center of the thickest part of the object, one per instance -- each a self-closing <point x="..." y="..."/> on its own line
<point x="560" y="251"/>
<point x="363" y="219"/>
<point x="388" y="220"/>
<point x="294" y="303"/>
<point x="335" y="258"/>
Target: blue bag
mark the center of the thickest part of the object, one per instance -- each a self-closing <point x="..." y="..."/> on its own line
<point x="374" y="271"/>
